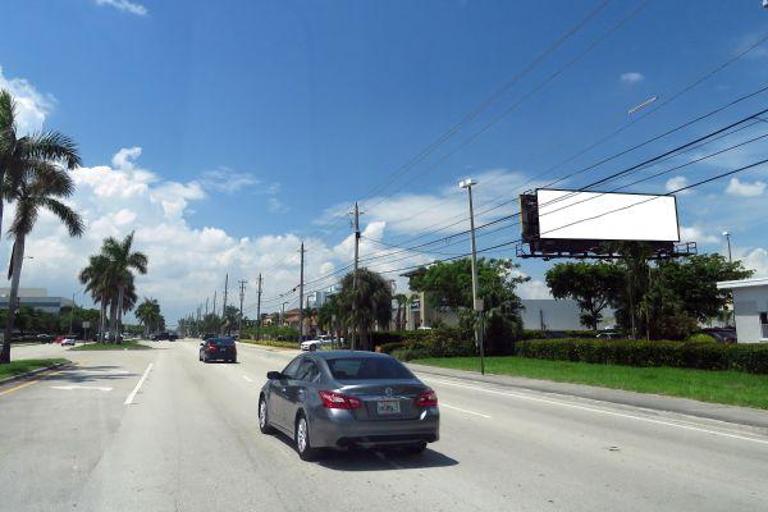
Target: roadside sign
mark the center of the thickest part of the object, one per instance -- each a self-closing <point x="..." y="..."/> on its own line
<point x="86" y="325"/>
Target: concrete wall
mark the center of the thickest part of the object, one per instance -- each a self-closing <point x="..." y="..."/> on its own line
<point x="748" y="303"/>
<point x="557" y="315"/>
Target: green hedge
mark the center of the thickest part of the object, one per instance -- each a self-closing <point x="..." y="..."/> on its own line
<point x="751" y="358"/>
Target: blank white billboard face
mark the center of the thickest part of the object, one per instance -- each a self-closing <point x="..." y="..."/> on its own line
<point x="573" y="215"/>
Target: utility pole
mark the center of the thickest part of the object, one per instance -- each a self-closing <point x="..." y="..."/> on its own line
<point x="72" y="313"/>
<point x="282" y="318"/>
<point x="258" y="310"/>
<point x="206" y="306"/>
<point x="727" y="236"/>
<point x="214" y="303"/>
<point x="477" y="304"/>
<point x="356" y="221"/>
<point x="242" y="282"/>
<point x="301" y="296"/>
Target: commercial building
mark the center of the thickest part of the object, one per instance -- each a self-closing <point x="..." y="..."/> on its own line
<point x="750" y="306"/>
<point x="537" y="314"/>
<point x="36" y="298"/>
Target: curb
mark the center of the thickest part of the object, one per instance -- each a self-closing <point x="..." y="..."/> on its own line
<point x="737" y="415"/>
<point x="30" y="373"/>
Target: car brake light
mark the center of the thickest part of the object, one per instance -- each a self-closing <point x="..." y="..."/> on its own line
<point x="427" y="398"/>
<point x="211" y="347"/>
<point x="334" y="400"/>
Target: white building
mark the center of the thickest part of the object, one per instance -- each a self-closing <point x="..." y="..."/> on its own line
<point x="750" y="305"/>
<point x="36" y="298"/>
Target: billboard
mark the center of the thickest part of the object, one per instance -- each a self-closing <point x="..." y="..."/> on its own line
<point x="577" y="215"/>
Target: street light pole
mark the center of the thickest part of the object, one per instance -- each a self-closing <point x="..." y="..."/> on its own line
<point x="477" y="304"/>
<point x="727" y="236"/>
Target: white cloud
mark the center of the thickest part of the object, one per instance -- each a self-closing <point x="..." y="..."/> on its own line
<point x="32" y="106"/>
<point x="125" y="6"/>
<point x="740" y="188"/>
<point x="227" y="180"/>
<point x="631" y="77"/>
<point x="696" y="234"/>
<point x="534" y="289"/>
<point x="757" y="260"/>
<point x="274" y="205"/>
<point x="677" y="182"/>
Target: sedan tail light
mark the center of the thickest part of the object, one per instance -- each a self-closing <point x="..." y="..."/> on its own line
<point x="426" y="398"/>
<point x="334" y="400"/>
<point x="212" y="347"/>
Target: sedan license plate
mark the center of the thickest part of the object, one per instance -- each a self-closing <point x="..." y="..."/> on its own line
<point x="386" y="407"/>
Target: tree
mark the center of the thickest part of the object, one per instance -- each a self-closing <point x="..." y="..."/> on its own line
<point x="148" y="313"/>
<point x="122" y="261"/>
<point x="33" y="189"/>
<point x="231" y="315"/>
<point x="97" y="280"/>
<point x="19" y="154"/>
<point x="449" y="285"/>
<point x="593" y="286"/>
<point x="402" y="300"/>
<point x="373" y="303"/>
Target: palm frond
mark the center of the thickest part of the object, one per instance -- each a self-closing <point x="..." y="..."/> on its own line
<point x="68" y="216"/>
<point x="7" y="114"/>
<point x="51" y="145"/>
<point x="27" y="210"/>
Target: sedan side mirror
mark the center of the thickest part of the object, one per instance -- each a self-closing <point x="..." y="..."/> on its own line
<point x="274" y="375"/>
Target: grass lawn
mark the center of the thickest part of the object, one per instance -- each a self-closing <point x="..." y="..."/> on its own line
<point x="27" y="365"/>
<point x="272" y="343"/>
<point x="734" y="388"/>
<point x="126" y="345"/>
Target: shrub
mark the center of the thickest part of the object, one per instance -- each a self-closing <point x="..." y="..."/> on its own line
<point x="694" y="354"/>
<point x="388" y="348"/>
<point x="700" y="337"/>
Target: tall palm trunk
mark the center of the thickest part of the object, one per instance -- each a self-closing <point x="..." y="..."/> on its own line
<point x="16" y="263"/>
<point x="120" y="298"/>
<point x="103" y="317"/>
<point x="112" y="320"/>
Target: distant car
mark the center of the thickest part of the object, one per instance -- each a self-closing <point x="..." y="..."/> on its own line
<point x="340" y="399"/>
<point x="221" y="348"/>
<point x="44" y="338"/>
<point x="725" y="335"/>
<point x="173" y="336"/>
<point x="160" y="336"/>
<point x="609" y="335"/>
<point x="58" y="339"/>
<point x="68" y="341"/>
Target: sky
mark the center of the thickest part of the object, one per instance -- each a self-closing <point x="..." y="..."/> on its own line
<point x="226" y="133"/>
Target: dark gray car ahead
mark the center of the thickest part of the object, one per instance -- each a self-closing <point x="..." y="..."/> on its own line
<point x="342" y="399"/>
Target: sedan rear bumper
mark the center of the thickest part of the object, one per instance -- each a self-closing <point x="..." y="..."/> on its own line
<point x="339" y="428"/>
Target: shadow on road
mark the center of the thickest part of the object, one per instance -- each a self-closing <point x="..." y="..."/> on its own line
<point x="85" y="374"/>
<point x="377" y="460"/>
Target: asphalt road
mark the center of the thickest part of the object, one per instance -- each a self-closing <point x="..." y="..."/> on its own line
<point x="186" y="439"/>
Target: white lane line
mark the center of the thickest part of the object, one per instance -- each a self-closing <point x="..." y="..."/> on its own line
<point x="606" y="412"/>
<point x="74" y="386"/>
<point x="467" y="411"/>
<point x="247" y="378"/>
<point x="129" y="399"/>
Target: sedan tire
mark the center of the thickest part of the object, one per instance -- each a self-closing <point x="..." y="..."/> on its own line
<point x="264" y="425"/>
<point x="302" y="440"/>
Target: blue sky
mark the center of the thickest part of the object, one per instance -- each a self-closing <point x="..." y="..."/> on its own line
<point x="258" y="122"/>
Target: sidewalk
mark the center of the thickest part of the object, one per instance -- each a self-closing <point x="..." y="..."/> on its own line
<point x="727" y="413"/>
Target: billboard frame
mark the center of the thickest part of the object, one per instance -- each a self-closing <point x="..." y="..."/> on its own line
<point x="582" y="248"/>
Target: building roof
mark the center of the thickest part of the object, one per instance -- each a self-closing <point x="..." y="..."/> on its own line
<point x="743" y="283"/>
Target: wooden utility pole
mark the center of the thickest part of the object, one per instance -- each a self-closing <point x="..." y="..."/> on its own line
<point x="258" y="310"/>
<point x="301" y="295"/>
<point x="354" y="276"/>
<point x="242" y="282"/>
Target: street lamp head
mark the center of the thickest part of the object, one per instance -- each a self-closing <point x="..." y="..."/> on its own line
<point x="466" y="183"/>
<point x="726" y="234"/>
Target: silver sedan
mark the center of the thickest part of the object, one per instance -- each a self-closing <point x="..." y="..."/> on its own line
<point x="340" y="399"/>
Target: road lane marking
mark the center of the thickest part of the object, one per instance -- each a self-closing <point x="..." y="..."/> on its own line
<point x="129" y="399"/>
<point x="39" y="376"/>
<point x="467" y="411"/>
<point x="247" y="378"/>
<point x="70" y="388"/>
<point x="683" y="426"/>
<point x="16" y="388"/>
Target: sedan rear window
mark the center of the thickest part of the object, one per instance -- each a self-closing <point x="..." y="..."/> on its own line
<point x="223" y="342"/>
<point x="367" y="368"/>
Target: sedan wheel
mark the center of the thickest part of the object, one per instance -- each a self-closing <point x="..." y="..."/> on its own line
<point x="264" y="425"/>
<point x="303" y="445"/>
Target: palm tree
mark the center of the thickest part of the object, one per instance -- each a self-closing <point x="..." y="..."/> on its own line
<point x="401" y="299"/>
<point x="373" y="303"/>
<point x="33" y="189"/>
<point x="96" y="278"/>
<point x="121" y="262"/>
<point x="19" y="154"/>
<point x="148" y="313"/>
